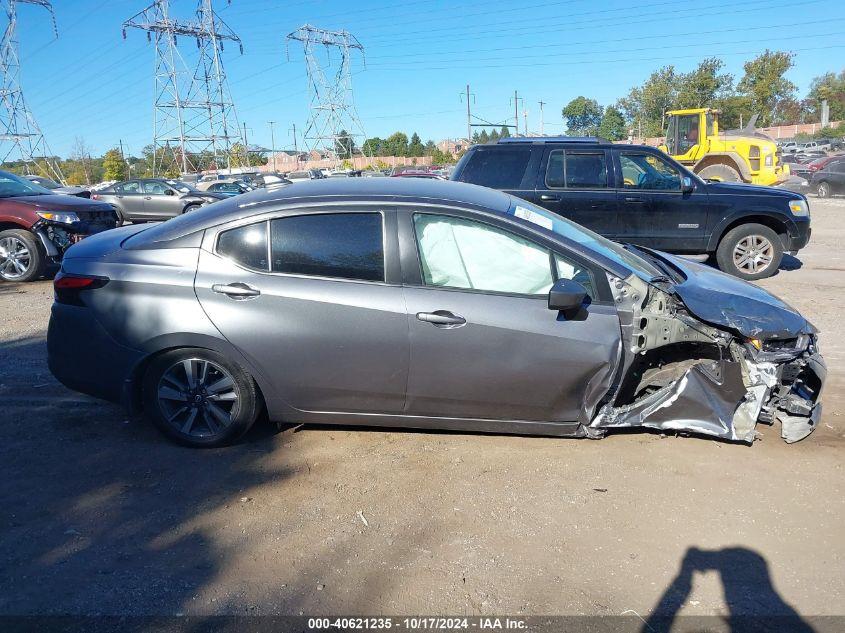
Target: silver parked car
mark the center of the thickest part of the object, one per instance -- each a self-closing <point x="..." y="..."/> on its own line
<point x="146" y="199"/>
<point x="420" y="303"/>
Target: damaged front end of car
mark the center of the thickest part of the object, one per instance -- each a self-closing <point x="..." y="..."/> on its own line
<point x="716" y="377"/>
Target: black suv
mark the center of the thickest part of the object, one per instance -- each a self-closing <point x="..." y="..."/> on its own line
<point x="637" y="194"/>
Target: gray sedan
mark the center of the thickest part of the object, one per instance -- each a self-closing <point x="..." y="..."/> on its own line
<point x="148" y="199"/>
<point x="426" y="304"/>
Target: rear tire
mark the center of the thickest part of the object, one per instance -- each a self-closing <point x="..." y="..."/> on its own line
<point x="21" y="256"/>
<point x="721" y="172"/>
<point x="199" y="398"/>
<point x="750" y="252"/>
<point x="823" y="190"/>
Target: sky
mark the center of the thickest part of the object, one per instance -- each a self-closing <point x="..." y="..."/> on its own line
<point x="90" y="83"/>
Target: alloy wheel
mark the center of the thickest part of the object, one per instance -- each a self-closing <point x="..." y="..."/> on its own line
<point x="824" y="190"/>
<point x="198" y="398"/>
<point x="15" y="258"/>
<point x="753" y="254"/>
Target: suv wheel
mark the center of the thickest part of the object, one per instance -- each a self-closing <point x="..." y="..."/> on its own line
<point x="750" y="251"/>
<point x="823" y="190"/>
<point x="722" y="173"/>
<point x="21" y="258"/>
<point x="197" y="397"/>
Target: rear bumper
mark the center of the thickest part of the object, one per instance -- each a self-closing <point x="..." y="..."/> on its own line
<point x="84" y="358"/>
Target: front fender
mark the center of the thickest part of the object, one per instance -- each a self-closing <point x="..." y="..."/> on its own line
<point x="750" y="217"/>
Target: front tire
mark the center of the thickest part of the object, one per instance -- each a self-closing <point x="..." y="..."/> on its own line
<point x="823" y="190"/>
<point x="199" y="398"/>
<point x="750" y="251"/>
<point x="191" y="207"/>
<point x="21" y="257"/>
<point x="720" y="172"/>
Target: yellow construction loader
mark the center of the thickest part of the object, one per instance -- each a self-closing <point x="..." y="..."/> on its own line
<point x="693" y="138"/>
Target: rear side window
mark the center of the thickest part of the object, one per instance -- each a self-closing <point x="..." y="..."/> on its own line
<point x="576" y="170"/>
<point x="247" y="245"/>
<point x="497" y="168"/>
<point x="342" y="245"/>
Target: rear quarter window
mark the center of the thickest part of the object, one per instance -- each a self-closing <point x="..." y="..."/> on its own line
<point x="497" y="168"/>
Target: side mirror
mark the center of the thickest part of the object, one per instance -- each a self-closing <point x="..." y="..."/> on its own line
<point x="566" y="296"/>
<point x="687" y="185"/>
<point x="169" y="192"/>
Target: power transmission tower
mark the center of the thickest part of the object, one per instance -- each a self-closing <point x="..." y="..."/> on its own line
<point x="194" y="124"/>
<point x="332" y="108"/>
<point x="19" y="133"/>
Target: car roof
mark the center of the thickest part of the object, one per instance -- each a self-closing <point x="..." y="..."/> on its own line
<point x="327" y="190"/>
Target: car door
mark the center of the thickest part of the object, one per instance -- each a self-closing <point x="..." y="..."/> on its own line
<point x="130" y="200"/>
<point x="484" y="345"/>
<point x="654" y="210"/>
<point x="312" y="299"/>
<point x="161" y="201"/>
<point x="574" y="183"/>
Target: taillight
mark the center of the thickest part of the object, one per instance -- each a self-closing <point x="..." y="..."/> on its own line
<point x="67" y="289"/>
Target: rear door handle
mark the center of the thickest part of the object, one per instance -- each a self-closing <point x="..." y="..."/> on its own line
<point x="634" y="200"/>
<point x="236" y="290"/>
<point x="442" y="319"/>
<point x="549" y="197"/>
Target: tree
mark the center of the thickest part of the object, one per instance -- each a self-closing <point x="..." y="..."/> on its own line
<point x="483" y="137"/>
<point x="504" y="132"/>
<point x="644" y="107"/>
<point x="830" y="87"/>
<point x="397" y="144"/>
<point x="583" y="116"/>
<point x="344" y="145"/>
<point x="704" y="86"/>
<point x="114" y="167"/>
<point x="373" y="146"/>
<point x="415" y="147"/>
<point x="612" y="126"/>
<point x="765" y="85"/>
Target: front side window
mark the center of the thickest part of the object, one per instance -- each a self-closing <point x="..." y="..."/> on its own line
<point x="247" y="245"/>
<point x="497" y="168"/>
<point x="458" y="253"/>
<point x="567" y="268"/>
<point x="647" y="171"/>
<point x="155" y="188"/>
<point x="342" y="245"/>
<point x="133" y="186"/>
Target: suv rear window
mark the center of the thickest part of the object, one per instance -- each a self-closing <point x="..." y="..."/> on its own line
<point x="500" y="168"/>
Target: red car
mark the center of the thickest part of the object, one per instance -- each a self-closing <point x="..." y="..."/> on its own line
<point x="821" y="163"/>
<point x="38" y="226"/>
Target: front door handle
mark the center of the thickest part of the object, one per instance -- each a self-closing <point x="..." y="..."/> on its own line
<point x="236" y="290"/>
<point x="548" y="197"/>
<point x="634" y="200"/>
<point x="442" y="319"/>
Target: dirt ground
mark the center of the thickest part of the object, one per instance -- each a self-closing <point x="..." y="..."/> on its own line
<point x="100" y="515"/>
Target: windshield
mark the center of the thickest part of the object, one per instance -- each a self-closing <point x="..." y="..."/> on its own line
<point x="577" y="233"/>
<point x="12" y="186"/>
<point x="45" y="182"/>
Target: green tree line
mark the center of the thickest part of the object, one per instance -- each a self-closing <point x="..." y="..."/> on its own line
<point x="763" y="89"/>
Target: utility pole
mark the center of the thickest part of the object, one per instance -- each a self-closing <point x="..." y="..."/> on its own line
<point x="295" y="147"/>
<point x="246" y="146"/>
<point x="542" y="124"/>
<point x="272" y="143"/>
<point x="18" y="130"/>
<point x="525" y="119"/>
<point x="194" y="115"/>
<point x="332" y="109"/>
<point x="516" y="111"/>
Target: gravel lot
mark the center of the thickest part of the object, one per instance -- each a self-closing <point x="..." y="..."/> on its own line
<point x="100" y="515"/>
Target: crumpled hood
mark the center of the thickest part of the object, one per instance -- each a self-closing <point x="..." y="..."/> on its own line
<point x="722" y="300"/>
